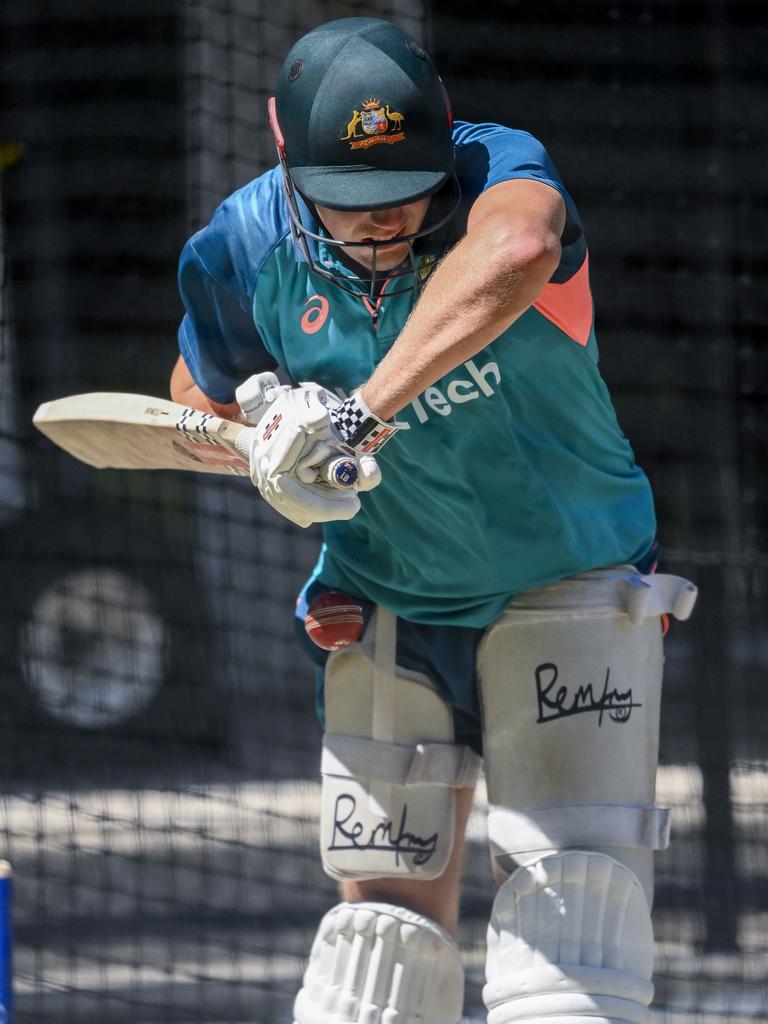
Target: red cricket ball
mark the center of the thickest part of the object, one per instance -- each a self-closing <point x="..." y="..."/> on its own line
<point x="334" y="620"/>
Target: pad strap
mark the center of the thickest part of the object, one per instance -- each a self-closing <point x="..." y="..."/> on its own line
<point x="658" y="594"/>
<point x="442" y="764"/>
<point x="641" y="827"/>
<point x="621" y="589"/>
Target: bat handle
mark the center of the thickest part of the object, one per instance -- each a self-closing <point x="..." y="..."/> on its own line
<point x="340" y="472"/>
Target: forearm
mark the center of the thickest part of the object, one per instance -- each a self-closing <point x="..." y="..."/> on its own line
<point x="472" y="297"/>
<point x="185" y="391"/>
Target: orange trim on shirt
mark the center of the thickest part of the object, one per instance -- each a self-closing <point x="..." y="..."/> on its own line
<point x="569" y="305"/>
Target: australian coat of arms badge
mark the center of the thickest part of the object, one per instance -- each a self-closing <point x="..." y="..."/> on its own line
<point x="372" y="124"/>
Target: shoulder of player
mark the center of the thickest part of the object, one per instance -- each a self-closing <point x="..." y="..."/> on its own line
<point x="242" y="232"/>
<point x="489" y="153"/>
<point x="470" y="137"/>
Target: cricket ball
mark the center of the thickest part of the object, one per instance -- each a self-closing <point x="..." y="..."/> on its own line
<point x="334" y="620"/>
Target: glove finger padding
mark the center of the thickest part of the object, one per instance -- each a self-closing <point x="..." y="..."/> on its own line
<point x="305" y="504"/>
<point x="279" y="455"/>
<point x="309" y="406"/>
<point x="255" y="395"/>
<point x="308" y="465"/>
<point x="368" y="473"/>
<point x="322" y="504"/>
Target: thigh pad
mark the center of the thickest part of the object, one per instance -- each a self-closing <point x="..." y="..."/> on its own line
<point x="390" y="767"/>
<point x="570" y="680"/>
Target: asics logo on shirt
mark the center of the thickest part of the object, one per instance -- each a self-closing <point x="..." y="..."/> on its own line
<point x="314" y="318"/>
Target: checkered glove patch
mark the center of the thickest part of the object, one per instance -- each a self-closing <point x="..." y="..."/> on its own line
<point x="358" y="428"/>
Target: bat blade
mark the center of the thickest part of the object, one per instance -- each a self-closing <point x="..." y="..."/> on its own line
<point x="122" y="431"/>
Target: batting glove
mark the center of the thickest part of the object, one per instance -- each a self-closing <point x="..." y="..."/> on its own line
<point x="360" y="430"/>
<point x="293" y="440"/>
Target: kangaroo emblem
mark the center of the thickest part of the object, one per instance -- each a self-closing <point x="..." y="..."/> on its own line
<point x="357" y="119"/>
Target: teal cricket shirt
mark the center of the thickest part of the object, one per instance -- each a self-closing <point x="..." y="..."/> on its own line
<point x="513" y="471"/>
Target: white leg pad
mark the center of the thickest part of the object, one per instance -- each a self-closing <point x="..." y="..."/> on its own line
<point x="570" y="942"/>
<point x="390" y="765"/>
<point x="570" y="678"/>
<point x="374" y="963"/>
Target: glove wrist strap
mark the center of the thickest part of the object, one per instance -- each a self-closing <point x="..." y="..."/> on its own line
<point x="360" y="429"/>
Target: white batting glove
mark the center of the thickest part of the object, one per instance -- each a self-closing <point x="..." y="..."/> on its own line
<point x="293" y="439"/>
<point x="254" y="395"/>
<point x="368" y="472"/>
<point x="308" y="467"/>
<point x="358" y="431"/>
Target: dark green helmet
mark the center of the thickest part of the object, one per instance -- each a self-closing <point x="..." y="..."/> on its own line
<point x="363" y="117"/>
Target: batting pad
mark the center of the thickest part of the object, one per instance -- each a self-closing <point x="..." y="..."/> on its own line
<point x="390" y="767"/>
<point x="373" y="963"/>
<point x="570" y="680"/>
<point x="570" y="942"/>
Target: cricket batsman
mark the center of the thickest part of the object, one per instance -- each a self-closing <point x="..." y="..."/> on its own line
<point x="424" y="285"/>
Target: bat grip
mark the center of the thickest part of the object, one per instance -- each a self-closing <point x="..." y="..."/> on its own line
<point x="340" y="472"/>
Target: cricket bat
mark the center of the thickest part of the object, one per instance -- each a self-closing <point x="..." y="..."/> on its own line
<point x="121" y="431"/>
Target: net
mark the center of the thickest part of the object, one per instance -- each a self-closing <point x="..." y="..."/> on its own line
<point x="158" y="747"/>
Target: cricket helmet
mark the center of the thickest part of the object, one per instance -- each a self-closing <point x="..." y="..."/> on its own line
<point x="362" y="122"/>
<point x="364" y="116"/>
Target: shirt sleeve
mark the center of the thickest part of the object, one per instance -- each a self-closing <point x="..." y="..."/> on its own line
<point x="217" y="336"/>
<point x="487" y="154"/>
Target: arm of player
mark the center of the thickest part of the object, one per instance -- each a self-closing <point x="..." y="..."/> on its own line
<point x="510" y="251"/>
<point x="186" y="392"/>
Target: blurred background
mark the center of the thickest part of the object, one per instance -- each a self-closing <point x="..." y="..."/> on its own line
<point x="158" y="747"/>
